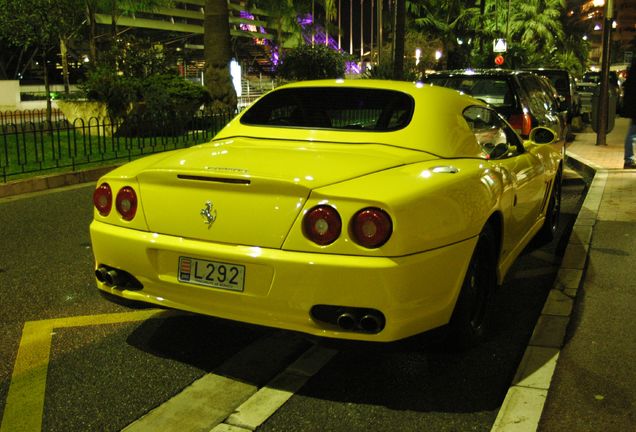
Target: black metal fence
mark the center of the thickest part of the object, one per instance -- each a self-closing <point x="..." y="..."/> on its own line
<point x="30" y="144"/>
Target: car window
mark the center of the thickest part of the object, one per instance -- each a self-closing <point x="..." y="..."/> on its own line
<point x="537" y="100"/>
<point x="495" y="91"/>
<point x="493" y="134"/>
<point x="342" y="108"/>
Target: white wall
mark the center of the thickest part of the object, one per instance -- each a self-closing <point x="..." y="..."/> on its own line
<point x="9" y="94"/>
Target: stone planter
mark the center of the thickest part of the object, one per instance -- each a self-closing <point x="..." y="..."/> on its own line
<point x="88" y="116"/>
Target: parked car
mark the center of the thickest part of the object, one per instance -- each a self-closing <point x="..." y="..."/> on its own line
<point x="614" y="85"/>
<point x="519" y="96"/>
<point x="565" y="85"/>
<point x="362" y="210"/>
<point x="558" y="104"/>
<point x="586" y="92"/>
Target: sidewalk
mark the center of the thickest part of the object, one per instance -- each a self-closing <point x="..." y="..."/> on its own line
<point x="579" y="371"/>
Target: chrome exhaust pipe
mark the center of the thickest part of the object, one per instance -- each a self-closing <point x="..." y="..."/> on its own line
<point x="370" y="323"/>
<point x="113" y="278"/>
<point x="346" y="321"/>
<point x="100" y="274"/>
<point x="109" y="276"/>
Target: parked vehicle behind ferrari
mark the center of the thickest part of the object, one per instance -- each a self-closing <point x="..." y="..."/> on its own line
<point x="519" y="96"/>
<point x="362" y="210"/>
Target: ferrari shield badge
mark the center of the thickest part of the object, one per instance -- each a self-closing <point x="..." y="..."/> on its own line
<point x="208" y="213"/>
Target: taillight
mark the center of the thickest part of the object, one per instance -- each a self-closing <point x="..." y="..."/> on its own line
<point x="322" y="225"/>
<point x="103" y="199"/>
<point x="371" y="227"/>
<point x="522" y="123"/>
<point x="126" y="203"/>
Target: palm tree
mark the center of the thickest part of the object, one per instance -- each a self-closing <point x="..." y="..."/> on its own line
<point x="282" y="16"/>
<point x="537" y="24"/>
<point x="218" y="53"/>
<point x="448" y="20"/>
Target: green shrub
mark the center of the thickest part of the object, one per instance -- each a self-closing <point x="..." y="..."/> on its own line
<point x="171" y="95"/>
<point x="307" y="62"/>
<point x="117" y="92"/>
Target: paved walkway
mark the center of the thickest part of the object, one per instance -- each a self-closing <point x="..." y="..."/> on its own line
<point x="579" y="371"/>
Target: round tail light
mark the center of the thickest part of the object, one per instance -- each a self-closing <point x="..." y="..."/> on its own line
<point x="371" y="227"/>
<point x="103" y="199"/>
<point x="322" y="225"/>
<point x="126" y="203"/>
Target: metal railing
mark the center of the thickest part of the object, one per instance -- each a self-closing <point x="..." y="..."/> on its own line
<point x="25" y="116"/>
<point x="31" y="145"/>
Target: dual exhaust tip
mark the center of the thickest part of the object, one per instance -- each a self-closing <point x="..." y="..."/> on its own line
<point x="113" y="277"/>
<point x="368" y="323"/>
<point x="361" y="320"/>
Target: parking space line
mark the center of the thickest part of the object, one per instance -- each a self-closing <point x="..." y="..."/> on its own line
<point x="212" y="398"/>
<point x="24" y="406"/>
<point x="258" y="408"/>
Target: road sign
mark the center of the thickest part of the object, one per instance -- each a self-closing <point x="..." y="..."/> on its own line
<point x="499" y="46"/>
<point x="499" y="60"/>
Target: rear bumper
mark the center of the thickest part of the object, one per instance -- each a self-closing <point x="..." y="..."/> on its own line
<point x="415" y="293"/>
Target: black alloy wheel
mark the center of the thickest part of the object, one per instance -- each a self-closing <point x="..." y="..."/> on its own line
<point x="553" y="213"/>
<point x="469" y="323"/>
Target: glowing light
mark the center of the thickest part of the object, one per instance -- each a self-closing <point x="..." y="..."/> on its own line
<point x="438" y="54"/>
<point x="235" y="71"/>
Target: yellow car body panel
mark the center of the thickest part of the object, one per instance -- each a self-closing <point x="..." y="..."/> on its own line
<point x="239" y="201"/>
<point x="414" y="292"/>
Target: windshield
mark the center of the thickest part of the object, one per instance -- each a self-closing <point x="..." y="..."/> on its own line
<point x="332" y="108"/>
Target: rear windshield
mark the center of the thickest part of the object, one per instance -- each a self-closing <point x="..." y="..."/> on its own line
<point x="559" y="79"/>
<point x="332" y="108"/>
<point x="492" y="90"/>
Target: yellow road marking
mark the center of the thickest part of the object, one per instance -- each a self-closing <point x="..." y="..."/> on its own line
<point x="25" y="401"/>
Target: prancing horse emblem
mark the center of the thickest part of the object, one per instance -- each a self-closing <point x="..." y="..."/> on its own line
<point x="209" y="214"/>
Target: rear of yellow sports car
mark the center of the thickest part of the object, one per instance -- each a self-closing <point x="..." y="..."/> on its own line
<point x="340" y="234"/>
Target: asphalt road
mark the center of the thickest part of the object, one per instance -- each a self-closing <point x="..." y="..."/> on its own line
<point x="72" y="361"/>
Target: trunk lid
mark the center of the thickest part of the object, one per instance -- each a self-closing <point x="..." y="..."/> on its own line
<point x="249" y="191"/>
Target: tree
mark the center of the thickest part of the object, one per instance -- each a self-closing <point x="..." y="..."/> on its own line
<point x="398" y="54"/>
<point x="41" y="24"/>
<point x="218" y="53"/>
<point x="307" y="62"/>
<point x="448" y="21"/>
<point x="282" y="16"/>
<point x="536" y="24"/>
<point x="115" y="8"/>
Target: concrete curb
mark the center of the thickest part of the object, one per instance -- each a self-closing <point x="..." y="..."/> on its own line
<point x="523" y="405"/>
<point x="41" y="183"/>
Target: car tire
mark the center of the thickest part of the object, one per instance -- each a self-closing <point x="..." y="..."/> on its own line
<point x="470" y="320"/>
<point x="553" y="213"/>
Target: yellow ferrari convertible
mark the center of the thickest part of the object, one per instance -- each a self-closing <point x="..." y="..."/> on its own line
<point x="363" y="210"/>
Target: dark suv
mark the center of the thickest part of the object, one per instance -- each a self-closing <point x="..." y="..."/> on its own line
<point x="565" y="84"/>
<point x="519" y="96"/>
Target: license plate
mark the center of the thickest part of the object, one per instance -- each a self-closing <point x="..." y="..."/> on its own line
<point x="211" y="273"/>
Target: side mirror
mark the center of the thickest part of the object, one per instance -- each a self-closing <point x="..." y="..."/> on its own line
<point x="543" y="135"/>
